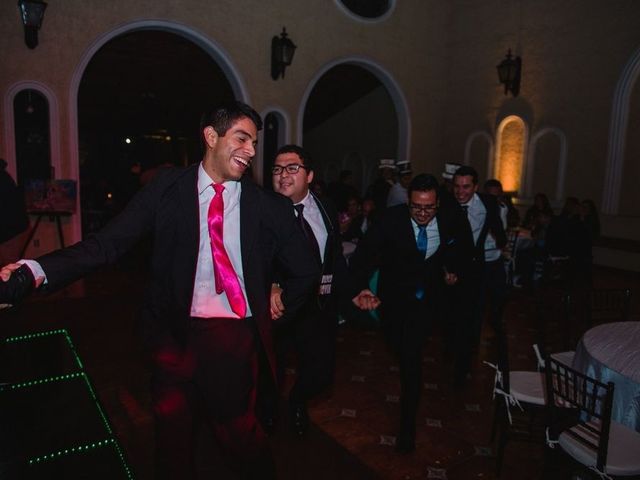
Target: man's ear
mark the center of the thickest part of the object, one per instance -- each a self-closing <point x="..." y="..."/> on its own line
<point x="310" y="177"/>
<point x="210" y="136"/>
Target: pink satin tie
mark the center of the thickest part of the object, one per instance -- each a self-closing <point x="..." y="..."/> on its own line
<point x="225" y="276"/>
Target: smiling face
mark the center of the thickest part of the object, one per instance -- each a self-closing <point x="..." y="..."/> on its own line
<point x="228" y="157"/>
<point x="292" y="185"/>
<point x="464" y="188"/>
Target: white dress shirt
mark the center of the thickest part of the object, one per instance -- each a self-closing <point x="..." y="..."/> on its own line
<point x="206" y="302"/>
<point x="477" y="215"/>
<point x="313" y="216"/>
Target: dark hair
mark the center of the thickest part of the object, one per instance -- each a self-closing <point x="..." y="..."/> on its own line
<point x="423" y="183"/>
<point x="301" y="152"/>
<point x="466" y="170"/>
<point x="492" y="183"/>
<point x="222" y="116"/>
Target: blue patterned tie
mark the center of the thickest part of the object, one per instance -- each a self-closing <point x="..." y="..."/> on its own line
<point x="422" y="240"/>
<point x="422" y="248"/>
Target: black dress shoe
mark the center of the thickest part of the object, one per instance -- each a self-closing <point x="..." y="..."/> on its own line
<point x="299" y="419"/>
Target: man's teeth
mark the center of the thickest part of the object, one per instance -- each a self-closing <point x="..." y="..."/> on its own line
<point x="242" y="161"/>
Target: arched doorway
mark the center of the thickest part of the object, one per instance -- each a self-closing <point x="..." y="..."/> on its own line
<point x="139" y="107"/>
<point x="511" y="141"/>
<point x="32" y="140"/>
<point x="353" y="108"/>
<point x="215" y="51"/>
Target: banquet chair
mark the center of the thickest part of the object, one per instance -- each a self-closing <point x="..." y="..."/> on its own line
<point x="518" y="404"/>
<point x="579" y="423"/>
<point x="510" y="252"/>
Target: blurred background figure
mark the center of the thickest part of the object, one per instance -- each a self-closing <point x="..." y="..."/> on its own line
<point x="359" y="225"/>
<point x="398" y="192"/>
<point x="342" y="191"/>
<point x="540" y="204"/>
<point x="13" y="217"/>
<point x="379" y="190"/>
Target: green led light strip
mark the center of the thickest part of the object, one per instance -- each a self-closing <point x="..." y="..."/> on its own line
<point x="68" y="451"/>
<point x="80" y="448"/>
<point x="83" y="449"/>
<point x="41" y="381"/>
<point x="35" y="335"/>
<point x="49" y="333"/>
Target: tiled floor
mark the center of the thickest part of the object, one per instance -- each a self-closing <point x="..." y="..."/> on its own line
<point x="354" y="424"/>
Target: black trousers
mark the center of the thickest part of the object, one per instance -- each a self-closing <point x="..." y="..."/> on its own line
<point x="211" y="382"/>
<point x="407" y="327"/>
<point x="486" y="283"/>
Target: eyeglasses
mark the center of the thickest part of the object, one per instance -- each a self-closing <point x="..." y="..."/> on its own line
<point x="423" y="208"/>
<point x="292" y="168"/>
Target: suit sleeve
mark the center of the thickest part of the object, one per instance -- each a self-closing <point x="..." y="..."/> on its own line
<point x="365" y="260"/>
<point x="296" y="269"/>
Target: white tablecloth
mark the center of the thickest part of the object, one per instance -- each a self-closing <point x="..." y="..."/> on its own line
<point x="611" y="353"/>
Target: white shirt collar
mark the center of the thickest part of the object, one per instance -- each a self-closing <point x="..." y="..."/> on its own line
<point x="306" y="200"/>
<point x="204" y="181"/>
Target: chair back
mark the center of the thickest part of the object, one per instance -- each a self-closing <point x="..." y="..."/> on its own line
<point x="510" y="252"/>
<point x="580" y="406"/>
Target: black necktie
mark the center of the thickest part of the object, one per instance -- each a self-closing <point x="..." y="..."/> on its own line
<point x="308" y="232"/>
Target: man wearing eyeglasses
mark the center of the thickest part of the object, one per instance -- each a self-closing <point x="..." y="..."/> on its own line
<point x="312" y="332"/>
<point x="415" y="249"/>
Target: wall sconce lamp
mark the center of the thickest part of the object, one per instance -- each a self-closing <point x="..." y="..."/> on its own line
<point x="509" y="74"/>
<point x="282" y="50"/>
<point x="32" y="12"/>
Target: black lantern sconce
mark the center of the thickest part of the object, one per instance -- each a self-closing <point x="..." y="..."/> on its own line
<point x="32" y="13"/>
<point x="282" y="50"/>
<point x="509" y="71"/>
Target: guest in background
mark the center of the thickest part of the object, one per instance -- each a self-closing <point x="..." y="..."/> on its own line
<point x="379" y="190"/>
<point x="540" y="204"/>
<point x="398" y="192"/>
<point x="362" y="222"/>
<point x="341" y="191"/>
<point x="589" y="215"/>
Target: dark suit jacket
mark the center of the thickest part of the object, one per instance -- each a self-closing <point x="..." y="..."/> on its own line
<point x="390" y="245"/>
<point x="492" y="224"/>
<point x="311" y="331"/>
<point x="168" y="209"/>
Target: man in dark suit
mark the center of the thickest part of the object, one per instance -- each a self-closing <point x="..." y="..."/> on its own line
<point x="485" y="278"/>
<point x="311" y="332"/>
<point x="206" y="313"/>
<point x="414" y="247"/>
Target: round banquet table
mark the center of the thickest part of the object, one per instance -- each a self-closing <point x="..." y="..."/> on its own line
<point x="611" y="353"/>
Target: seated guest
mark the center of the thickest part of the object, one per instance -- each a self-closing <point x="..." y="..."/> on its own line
<point x="540" y="204"/>
<point x="359" y="225"/>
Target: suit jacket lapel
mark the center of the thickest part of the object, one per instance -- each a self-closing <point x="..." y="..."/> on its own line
<point x="249" y="223"/>
<point x="328" y="225"/>
<point x="188" y="194"/>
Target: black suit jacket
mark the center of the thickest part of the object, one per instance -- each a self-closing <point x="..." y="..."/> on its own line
<point x="492" y="225"/>
<point x="390" y="245"/>
<point x="168" y="209"/>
